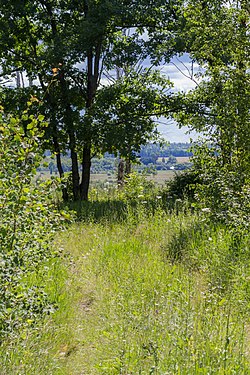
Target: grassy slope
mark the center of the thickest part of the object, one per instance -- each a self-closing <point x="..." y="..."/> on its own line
<point x="166" y="296"/>
<point x="150" y="295"/>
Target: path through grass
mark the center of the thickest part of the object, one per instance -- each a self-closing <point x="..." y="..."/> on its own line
<point x="165" y="296"/>
<point x="161" y="294"/>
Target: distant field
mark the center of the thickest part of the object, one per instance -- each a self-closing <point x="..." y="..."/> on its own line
<point x="180" y="159"/>
<point x="183" y="159"/>
<point x="102" y="177"/>
<point x="160" y="178"/>
<point x="95" y="177"/>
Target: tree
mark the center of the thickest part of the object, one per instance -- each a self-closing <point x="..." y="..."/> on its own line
<point x="221" y="46"/>
<point x="126" y="109"/>
<point x="68" y="46"/>
<point x="217" y="35"/>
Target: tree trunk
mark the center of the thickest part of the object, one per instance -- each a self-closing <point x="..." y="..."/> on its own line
<point x="127" y="167"/>
<point x="86" y="164"/>
<point x="59" y="167"/>
<point x="120" y="177"/>
<point x="93" y="71"/>
<point x="68" y="119"/>
<point x="75" y="175"/>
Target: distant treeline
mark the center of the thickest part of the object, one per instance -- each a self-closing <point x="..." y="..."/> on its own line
<point x="171" y="149"/>
<point x="149" y="154"/>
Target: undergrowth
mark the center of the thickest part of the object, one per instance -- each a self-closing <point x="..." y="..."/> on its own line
<point x="167" y="295"/>
<point x="142" y="291"/>
<point x="30" y="289"/>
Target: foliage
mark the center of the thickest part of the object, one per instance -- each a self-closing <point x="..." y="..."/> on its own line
<point x="109" y="204"/>
<point x="182" y="187"/>
<point x="137" y="188"/>
<point x="166" y="149"/>
<point x="126" y="108"/>
<point x="27" y="226"/>
<point x="69" y="48"/>
<point x="224" y="193"/>
<point x="217" y="37"/>
<point x="166" y="293"/>
<point x="150" y="291"/>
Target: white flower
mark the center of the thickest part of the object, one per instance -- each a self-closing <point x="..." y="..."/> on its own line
<point x="206" y="209"/>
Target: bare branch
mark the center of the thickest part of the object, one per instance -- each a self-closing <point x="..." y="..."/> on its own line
<point x="190" y="76"/>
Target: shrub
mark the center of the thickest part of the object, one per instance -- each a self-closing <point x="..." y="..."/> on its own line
<point x="27" y="225"/>
<point x="137" y="188"/>
<point x="182" y="186"/>
<point x="224" y="195"/>
<point x="224" y="198"/>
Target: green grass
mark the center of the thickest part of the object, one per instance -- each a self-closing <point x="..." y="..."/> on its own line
<point x="143" y="311"/>
<point x="149" y="294"/>
<point x="33" y="350"/>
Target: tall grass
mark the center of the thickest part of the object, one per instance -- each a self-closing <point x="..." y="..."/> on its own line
<point x="34" y="349"/>
<point x="158" y="295"/>
<point x="145" y="292"/>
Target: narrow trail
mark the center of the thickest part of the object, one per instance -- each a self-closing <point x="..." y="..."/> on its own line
<point x="133" y="309"/>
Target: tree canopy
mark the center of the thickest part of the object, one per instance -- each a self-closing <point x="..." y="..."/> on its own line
<point x="84" y="62"/>
<point x="65" y="48"/>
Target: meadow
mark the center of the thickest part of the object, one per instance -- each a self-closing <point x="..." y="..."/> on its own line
<point x="179" y="159"/>
<point x="111" y="178"/>
<point x="141" y="290"/>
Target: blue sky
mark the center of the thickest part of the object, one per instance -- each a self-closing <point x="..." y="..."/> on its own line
<point x="180" y="71"/>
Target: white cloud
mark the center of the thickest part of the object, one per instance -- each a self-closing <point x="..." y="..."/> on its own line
<point x="181" y="71"/>
<point x="172" y="133"/>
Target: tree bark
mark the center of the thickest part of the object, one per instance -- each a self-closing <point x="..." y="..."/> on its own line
<point x="54" y="127"/>
<point x="86" y="164"/>
<point x="75" y="175"/>
<point x="59" y="167"/>
<point x="93" y="72"/>
<point x="120" y="177"/>
<point x="68" y="120"/>
<point x="127" y="167"/>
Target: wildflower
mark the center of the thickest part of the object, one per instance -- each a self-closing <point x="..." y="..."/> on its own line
<point x="206" y="209"/>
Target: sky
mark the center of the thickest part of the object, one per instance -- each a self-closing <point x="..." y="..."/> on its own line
<point x="179" y="71"/>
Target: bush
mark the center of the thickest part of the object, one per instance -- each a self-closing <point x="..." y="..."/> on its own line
<point x="224" y="197"/>
<point x="137" y="188"/>
<point x="182" y="186"/>
<point x="27" y="226"/>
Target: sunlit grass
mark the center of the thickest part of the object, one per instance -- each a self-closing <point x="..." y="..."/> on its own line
<point x="142" y="310"/>
<point x="150" y="293"/>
